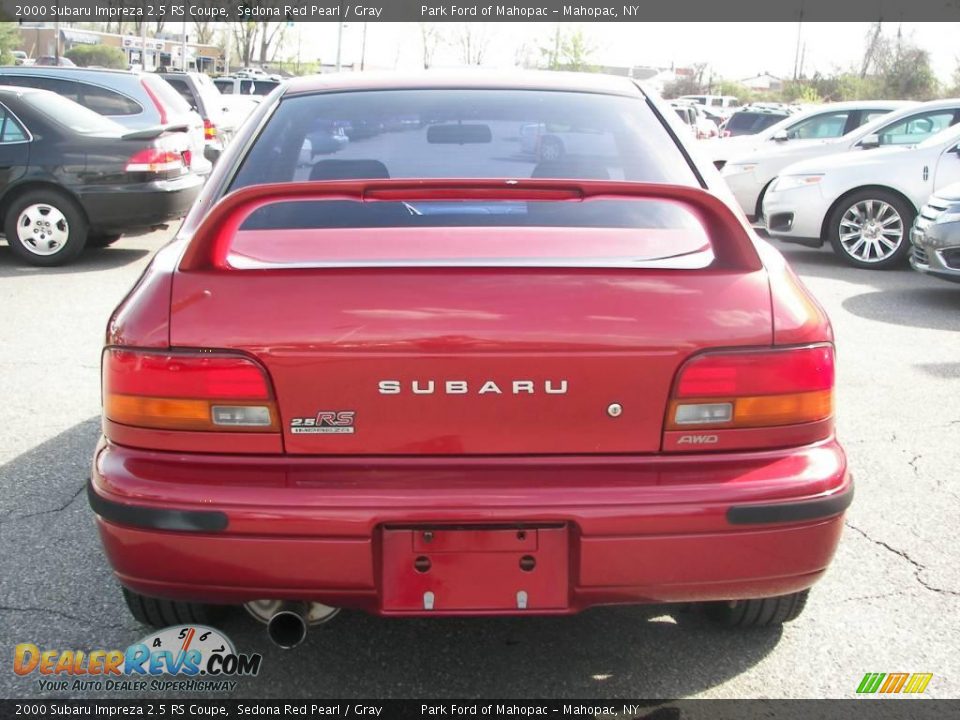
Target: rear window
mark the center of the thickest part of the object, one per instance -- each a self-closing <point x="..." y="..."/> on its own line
<point x="107" y="102"/>
<point x="471" y="134"/>
<point x="750" y="123"/>
<point x="464" y="134"/>
<point x="71" y="115"/>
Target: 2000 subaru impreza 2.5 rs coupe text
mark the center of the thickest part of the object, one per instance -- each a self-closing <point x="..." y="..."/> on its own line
<point x="435" y="373"/>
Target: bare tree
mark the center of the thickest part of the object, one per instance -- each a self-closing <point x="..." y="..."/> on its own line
<point x="472" y="39"/>
<point x="245" y="33"/>
<point x="205" y="31"/>
<point x="874" y="41"/>
<point x="430" y="39"/>
<point x="271" y="40"/>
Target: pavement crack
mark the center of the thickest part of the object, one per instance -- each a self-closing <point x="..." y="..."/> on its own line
<point x="11" y="517"/>
<point x="63" y="615"/>
<point x="918" y="568"/>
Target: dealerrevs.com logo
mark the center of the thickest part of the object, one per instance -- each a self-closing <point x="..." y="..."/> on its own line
<point x="181" y="658"/>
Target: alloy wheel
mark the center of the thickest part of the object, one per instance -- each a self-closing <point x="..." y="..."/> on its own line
<point x="871" y="230"/>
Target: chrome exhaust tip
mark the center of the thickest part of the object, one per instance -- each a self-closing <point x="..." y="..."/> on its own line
<point x="287" y="620"/>
<point x="287" y="628"/>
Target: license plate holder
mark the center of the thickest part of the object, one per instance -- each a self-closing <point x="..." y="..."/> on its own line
<point x="508" y="569"/>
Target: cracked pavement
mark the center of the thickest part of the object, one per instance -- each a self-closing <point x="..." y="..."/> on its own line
<point x="888" y="603"/>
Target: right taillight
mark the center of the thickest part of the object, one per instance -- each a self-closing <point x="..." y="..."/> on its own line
<point x="209" y="130"/>
<point x="187" y="391"/>
<point x="756" y="389"/>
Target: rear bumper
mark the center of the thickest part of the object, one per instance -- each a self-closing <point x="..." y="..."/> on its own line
<point x="677" y="529"/>
<point x="122" y="208"/>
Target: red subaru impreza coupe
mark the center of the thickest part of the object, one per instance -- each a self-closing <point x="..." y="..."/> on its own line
<point x="445" y="369"/>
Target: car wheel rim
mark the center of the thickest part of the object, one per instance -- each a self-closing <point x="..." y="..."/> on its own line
<point x="871" y="231"/>
<point x="550" y="152"/>
<point x="42" y="229"/>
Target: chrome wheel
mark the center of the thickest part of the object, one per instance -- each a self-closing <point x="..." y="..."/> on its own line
<point x="871" y="231"/>
<point x="42" y="229"/>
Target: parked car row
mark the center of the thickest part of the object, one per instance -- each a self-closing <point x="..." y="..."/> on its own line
<point x="70" y="177"/>
<point x="855" y="176"/>
<point x="89" y="154"/>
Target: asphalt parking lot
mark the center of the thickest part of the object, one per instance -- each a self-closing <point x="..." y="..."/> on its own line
<point x="888" y="603"/>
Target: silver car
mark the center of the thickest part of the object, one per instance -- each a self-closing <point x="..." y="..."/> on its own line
<point x="936" y="235"/>
<point x="135" y="100"/>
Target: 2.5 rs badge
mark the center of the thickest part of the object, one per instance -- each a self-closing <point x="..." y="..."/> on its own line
<point x="327" y="422"/>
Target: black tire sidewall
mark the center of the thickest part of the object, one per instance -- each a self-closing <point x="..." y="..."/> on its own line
<point x="907" y="215"/>
<point x="76" y="239"/>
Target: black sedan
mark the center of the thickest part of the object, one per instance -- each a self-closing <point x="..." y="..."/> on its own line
<point x="70" y="177"/>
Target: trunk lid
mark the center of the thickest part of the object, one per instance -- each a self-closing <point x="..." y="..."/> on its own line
<point x="473" y="358"/>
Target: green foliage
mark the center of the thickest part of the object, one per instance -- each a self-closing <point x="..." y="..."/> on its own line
<point x="98" y="55"/>
<point x="729" y="87"/>
<point x="9" y="41"/>
<point x="955" y="90"/>
<point x="800" y="92"/>
<point x="568" y="50"/>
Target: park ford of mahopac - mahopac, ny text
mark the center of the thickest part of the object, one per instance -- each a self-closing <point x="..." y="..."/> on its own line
<point x="532" y="11"/>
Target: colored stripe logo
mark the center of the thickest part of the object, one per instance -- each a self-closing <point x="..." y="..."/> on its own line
<point x="894" y="683"/>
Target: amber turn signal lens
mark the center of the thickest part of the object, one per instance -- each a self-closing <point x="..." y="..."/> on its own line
<point x="757" y="411"/>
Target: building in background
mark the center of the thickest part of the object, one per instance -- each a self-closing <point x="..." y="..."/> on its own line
<point x="39" y="39"/>
<point x="764" y="82"/>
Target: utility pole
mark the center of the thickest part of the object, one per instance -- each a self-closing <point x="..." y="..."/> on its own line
<point x="183" y="48"/>
<point x="363" y="48"/>
<point x="796" y="55"/>
<point x="143" y="44"/>
<point x="56" y="39"/>
<point x="339" y="43"/>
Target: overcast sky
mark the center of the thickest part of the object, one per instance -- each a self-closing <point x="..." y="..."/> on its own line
<point x="734" y="50"/>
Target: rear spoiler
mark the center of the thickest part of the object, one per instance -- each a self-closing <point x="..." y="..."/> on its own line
<point x="153" y="132"/>
<point x="209" y="245"/>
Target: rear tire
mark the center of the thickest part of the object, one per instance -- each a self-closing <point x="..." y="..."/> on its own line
<point x="762" y="612"/>
<point x="102" y="241"/>
<point x="158" y="612"/>
<point x="45" y="227"/>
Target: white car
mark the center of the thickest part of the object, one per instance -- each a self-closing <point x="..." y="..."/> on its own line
<point x="750" y="174"/>
<point x="862" y="203"/>
<point x="819" y="122"/>
<point x="724" y="104"/>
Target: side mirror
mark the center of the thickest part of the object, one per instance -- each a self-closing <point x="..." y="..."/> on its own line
<point x="780" y="136"/>
<point x="870" y="141"/>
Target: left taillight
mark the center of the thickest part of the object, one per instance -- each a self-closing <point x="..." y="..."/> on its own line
<point x="187" y="391"/>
